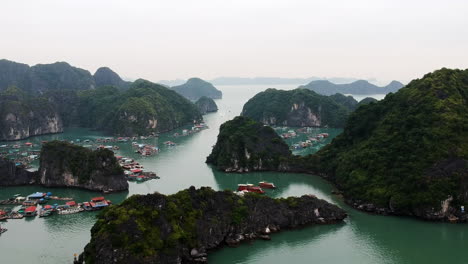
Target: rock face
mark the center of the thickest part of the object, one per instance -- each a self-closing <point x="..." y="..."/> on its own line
<point x="358" y="87"/>
<point x="407" y="154"/>
<point x="143" y="109"/>
<point x="11" y="175"/>
<point x="245" y="145"/>
<point x="195" y="88"/>
<point x="66" y="165"/>
<point x="22" y="117"/>
<point x="105" y="76"/>
<point x="297" y="108"/>
<point x="206" y="105"/>
<point x="183" y="227"/>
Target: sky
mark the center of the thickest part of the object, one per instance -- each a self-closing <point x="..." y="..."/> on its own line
<point x="171" y="39"/>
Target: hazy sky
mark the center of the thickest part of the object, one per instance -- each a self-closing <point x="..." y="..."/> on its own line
<point x="170" y="39"/>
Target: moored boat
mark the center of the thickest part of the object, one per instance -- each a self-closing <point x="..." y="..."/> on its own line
<point x="250" y="188"/>
<point x="266" y="185"/>
<point x="30" y="211"/>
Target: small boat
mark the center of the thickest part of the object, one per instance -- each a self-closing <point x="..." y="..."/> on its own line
<point x="15" y="215"/>
<point x="3" y="215"/>
<point x="46" y="211"/>
<point x="250" y="188"/>
<point x="30" y="211"/>
<point x="267" y="185"/>
<point x="61" y="198"/>
<point x="70" y="210"/>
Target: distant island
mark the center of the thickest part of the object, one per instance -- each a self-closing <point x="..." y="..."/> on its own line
<point x="184" y="227"/>
<point x="264" y="80"/>
<point x="206" y="105"/>
<point x="63" y="164"/>
<point x="195" y="88"/>
<point x="326" y="87"/>
<point x="45" y="98"/>
<point x="404" y="155"/>
<point x="299" y="108"/>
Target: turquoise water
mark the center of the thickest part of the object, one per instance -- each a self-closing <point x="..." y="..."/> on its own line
<point x="363" y="238"/>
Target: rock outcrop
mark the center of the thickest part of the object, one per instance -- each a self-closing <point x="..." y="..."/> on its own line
<point x="66" y="165"/>
<point x="12" y="175"/>
<point x="195" y="88"/>
<point x="22" y="117"/>
<point x="245" y="145"/>
<point x="206" y="105"/>
<point x="298" y="108"/>
<point x="184" y="227"/>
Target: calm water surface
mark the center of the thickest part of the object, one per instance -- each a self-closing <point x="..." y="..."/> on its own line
<point x="362" y="238"/>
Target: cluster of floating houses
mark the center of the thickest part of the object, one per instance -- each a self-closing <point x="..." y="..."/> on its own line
<point x="310" y="141"/>
<point x="195" y="129"/>
<point x="36" y="204"/>
<point x="22" y="154"/>
<point x="134" y="171"/>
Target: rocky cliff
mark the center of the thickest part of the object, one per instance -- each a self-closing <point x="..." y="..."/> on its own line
<point x="195" y="88"/>
<point x="143" y="109"/>
<point x="184" y="227"/>
<point x="245" y="145"/>
<point x="66" y="165"/>
<point x="11" y="175"/>
<point x="206" y="105"/>
<point x="298" y="108"/>
<point x="22" y="117"/>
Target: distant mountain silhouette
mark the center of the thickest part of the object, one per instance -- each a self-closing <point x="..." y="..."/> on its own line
<point x="326" y="87"/>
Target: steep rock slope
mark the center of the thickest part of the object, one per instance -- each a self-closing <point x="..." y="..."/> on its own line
<point x="66" y="165"/>
<point x="299" y="107"/>
<point x="195" y="88"/>
<point x="407" y="154"/>
<point x="143" y="109"/>
<point x="22" y="116"/>
<point x="206" y="105"/>
<point x="245" y="145"/>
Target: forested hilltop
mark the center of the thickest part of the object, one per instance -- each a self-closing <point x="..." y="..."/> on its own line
<point x="299" y="107"/>
<point x="406" y="154"/>
<point x="409" y="152"/>
<point x="45" y="98"/>
<point x="195" y="88"/>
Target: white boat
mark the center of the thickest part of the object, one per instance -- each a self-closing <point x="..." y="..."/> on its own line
<point x="72" y="210"/>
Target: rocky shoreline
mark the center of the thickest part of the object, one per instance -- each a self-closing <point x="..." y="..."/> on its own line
<point x="66" y="165"/>
<point x="185" y="227"/>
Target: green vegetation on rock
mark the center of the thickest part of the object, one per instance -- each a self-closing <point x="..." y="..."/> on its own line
<point x="244" y="144"/>
<point x="143" y="109"/>
<point x="299" y="107"/>
<point x="195" y="88"/>
<point x="182" y="227"/>
<point x="409" y="151"/>
<point x="406" y="154"/>
<point x="206" y="105"/>
<point x="66" y="164"/>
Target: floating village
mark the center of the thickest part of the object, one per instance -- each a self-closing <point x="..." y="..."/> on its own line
<point x="41" y="204"/>
<point x="45" y="204"/>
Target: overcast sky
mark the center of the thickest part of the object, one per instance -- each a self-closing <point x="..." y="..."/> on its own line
<point x="170" y="39"/>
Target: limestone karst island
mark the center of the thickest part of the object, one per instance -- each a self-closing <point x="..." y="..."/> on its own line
<point x="233" y="132"/>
